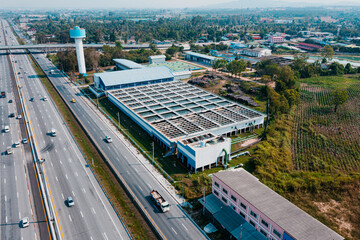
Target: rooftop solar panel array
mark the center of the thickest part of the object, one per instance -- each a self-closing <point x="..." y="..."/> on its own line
<point x="178" y="109"/>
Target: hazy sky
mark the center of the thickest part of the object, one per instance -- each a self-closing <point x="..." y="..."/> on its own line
<point x="31" y="4"/>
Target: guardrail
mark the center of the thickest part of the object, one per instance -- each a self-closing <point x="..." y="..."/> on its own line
<point x="145" y="153"/>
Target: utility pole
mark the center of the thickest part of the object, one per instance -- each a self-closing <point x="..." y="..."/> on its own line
<point x="240" y="232"/>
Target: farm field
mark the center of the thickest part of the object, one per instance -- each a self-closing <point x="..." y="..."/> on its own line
<point x="323" y="139"/>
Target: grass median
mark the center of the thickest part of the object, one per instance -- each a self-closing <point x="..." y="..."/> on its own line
<point x="118" y="196"/>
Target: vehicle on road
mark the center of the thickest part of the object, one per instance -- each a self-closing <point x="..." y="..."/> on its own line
<point x="10" y="101"/>
<point x="25" y="222"/>
<point x="31" y="99"/>
<point x="25" y="141"/>
<point x="17" y="144"/>
<point x="52" y="71"/>
<point x="108" y="139"/>
<point x="6" y="129"/>
<point x="8" y="151"/>
<point x="73" y="100"/>
<point x="3" y="94"/>
<point x="70" y="202"/>
<point x="12" y="115"/>
<point x="53" y="132"/>
<point x="45" y="98"/>
<point x="160" y="201"/>
<point x="19" y="116"/>
<point x="19" y="72"/>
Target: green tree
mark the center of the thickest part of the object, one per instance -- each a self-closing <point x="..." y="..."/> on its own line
<point x="339" y="97"/>
<point x="327" y="53"/>
<point x="292" y="96"/>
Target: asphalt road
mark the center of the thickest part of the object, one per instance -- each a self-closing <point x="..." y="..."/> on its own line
<point x="20" y="195"/>
<point x="67" y="173"/>
<point x="173" y="224"/>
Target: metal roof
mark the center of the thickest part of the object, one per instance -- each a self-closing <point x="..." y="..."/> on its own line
<point x="134" y="75"/>
<point x="127" y="63"/>
<point x="202" y="55"/>
<point x="292" y="219"/>
<point x="157" y="56"/>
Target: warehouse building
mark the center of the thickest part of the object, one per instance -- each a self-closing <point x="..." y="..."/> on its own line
<point x="157" y="59"/>
<point x="269" y="213"/>
<point x="187" y="121"/>
<point x="201" y="58"/>
<point x="124" y="64"/>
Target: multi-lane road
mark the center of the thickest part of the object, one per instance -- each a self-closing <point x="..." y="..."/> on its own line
<point x="65" y="168"/>
<point x="173" y="224"/>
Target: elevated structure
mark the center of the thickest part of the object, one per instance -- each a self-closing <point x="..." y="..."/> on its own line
<point x="271" y="214"/>
<point x="78" y="34"/>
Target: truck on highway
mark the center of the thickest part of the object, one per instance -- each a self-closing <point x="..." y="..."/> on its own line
<point x="160" y="201"/>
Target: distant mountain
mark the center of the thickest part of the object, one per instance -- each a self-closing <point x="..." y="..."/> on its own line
<point x="272" y="4"/>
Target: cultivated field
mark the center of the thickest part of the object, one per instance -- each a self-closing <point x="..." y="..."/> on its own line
<point x="324" y="140"/>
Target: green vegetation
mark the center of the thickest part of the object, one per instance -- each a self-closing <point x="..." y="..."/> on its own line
<point x="121" y="202"/>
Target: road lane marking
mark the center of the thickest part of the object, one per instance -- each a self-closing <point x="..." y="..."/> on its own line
<point x="61" y="162"/>
<point x="66" y="176"/>
<point x="4" y="180"/>
<point x="70" y="218"/>
<point x="174" y="230"/>
<point x="52" y="164"/>
<point x="17" y="194"/>
<point x="5" y="219"/>
<point x="15" y="178"/>
<point x="140" y="188"/>
<point x="106" y="238"/>
<point x="93" y="210"/>
<point x="56" y="179"/>
<point x="84" y="190"/>
<point x="184" y="227"/>
<point x="73" y="193"/>
<point x="5" y="198"/>
<point x="76" y="174"/>
<point x="62" y="195"/>
<point x="81" y="214"/>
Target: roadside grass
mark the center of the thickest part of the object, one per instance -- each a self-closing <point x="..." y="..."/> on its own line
<point x="117" y="195"/>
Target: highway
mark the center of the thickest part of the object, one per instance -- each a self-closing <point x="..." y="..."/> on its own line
<point x="20" y="195"/>
<point x="173" y="224"/>
<point x="67" y="173"/>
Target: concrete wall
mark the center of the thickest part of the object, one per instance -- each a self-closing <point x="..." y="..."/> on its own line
<point x="218" y="191"/>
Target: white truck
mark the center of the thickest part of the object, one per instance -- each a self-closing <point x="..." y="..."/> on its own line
<point x="160" y="201"/>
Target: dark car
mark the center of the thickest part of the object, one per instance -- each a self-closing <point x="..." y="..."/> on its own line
<point x="10" y="101"/>
<point x="31" y="99"/>
<point x="12" y="115"/>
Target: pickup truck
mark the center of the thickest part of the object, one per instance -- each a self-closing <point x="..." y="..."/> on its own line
<point x="160" y="201"/>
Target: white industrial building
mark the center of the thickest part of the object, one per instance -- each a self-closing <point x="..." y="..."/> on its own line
<point x="255" y="52"/>
<point x="124" y="64"/>
<point x="157" y="59"/>
<point x="186" y="120"/>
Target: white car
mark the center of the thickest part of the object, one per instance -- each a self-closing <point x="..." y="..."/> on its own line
<point x="19" y="116"/>
<point x="108" y="139"/>
<point x="25" y="141"/>
<point x="45" y="98"/>
<point x="6" y="129"/>
<point x="25" y="222"/>
<point x="17" y="144"/>
<point x="8" y="151"/>
<point x="70" y="202"/>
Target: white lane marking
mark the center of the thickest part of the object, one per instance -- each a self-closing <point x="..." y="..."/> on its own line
<point x="184" y="227"/>
<point x="56" y="179"/>
<point x="70" y="218"/>
<point x="106" y="238"/>
<point x="83" y="190"/>
<point x="136" y="170"/>
<point x="66" y="176"/>
<point x="174" y="230"/>
<point x="5" y="219"/>
<point x="4" y="180"/>
<point x="17" y="194"/>
<point x="15" y="178"/>
<point x="19" y="215"/>
<point x="148" y="185"/>
<point x="76" y="174"/>
<point x="140" y="188"/>
<point x="52" y="164"/>
<point x="91" y="238"/>
<point x="127" y="172"/>
<point x="4" y="166"/>
<point x="5" y="198"/>
<point x="61" y="162"/>
<point x="81" y="214"/>
<point x="73" y="193"/>
<point x="56" y="150"/>
<point x="70" y="160"/>
<point x="93" y="210"/>
<point x="62" y="195"/>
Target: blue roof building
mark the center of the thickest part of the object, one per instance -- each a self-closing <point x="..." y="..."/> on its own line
<point x="131" y="78"/>
<point x="124" y="64"/>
